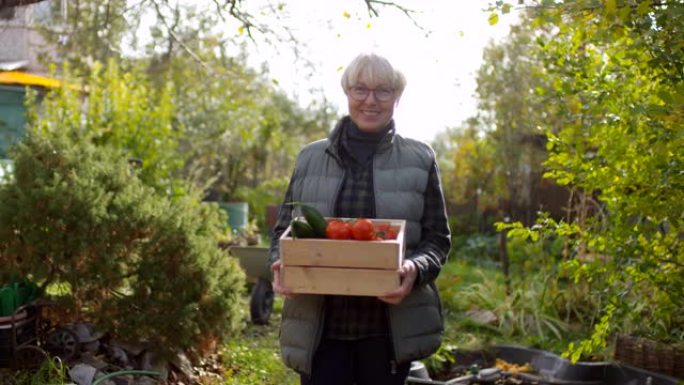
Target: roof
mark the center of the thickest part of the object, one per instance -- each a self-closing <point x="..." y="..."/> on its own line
<point x="16" y="3"/>
<point x="26" y="79"/>
<point x="13" y="65"/>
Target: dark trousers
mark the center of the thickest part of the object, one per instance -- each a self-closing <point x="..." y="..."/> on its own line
<point x="359" y="362"/>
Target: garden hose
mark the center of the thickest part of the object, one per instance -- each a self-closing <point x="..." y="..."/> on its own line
<point x="126" y="372"/>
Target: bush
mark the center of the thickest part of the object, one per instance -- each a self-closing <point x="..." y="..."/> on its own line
<point x="136" y="263"/>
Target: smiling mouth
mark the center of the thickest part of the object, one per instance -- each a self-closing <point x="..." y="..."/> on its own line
<point x="372" y="113"/>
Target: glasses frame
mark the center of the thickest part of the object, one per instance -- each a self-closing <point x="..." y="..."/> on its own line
<point x="361" y="93"/>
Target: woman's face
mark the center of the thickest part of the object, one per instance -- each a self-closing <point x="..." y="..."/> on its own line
<point x="371" y="106"/>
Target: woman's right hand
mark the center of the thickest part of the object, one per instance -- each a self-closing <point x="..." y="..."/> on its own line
<point x="277" y="287"/>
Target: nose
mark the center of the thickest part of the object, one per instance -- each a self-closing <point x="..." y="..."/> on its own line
<point x="371" y="94"/>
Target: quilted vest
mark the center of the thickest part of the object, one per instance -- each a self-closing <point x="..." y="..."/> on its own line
<point x="400" y="173"/>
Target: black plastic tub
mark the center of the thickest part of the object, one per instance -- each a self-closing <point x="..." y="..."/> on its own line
<point x="549" y="369"/>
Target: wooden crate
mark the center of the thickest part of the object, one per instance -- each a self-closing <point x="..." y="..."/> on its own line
<point x="344" y="267"/>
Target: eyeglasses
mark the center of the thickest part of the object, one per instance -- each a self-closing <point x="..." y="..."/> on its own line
<point x="360" y="94"/>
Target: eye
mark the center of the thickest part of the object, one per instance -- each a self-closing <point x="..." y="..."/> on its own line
<point x="383" y="93"/>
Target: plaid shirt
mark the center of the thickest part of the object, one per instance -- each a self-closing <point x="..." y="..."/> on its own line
<point x="355" y="317"/>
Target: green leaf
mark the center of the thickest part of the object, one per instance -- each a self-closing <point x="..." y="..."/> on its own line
<point x="643" y="8"/>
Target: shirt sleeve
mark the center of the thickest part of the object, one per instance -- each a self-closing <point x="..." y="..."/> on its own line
<point x="433" y="249"/>
<point x="283" y="221"/>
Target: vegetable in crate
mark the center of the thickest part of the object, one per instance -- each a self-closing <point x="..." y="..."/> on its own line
<point x="363" y="230"/>
<point x="338" y="230"/>
<point x="301" y="229"/>
<point x="385" y="232"/>
<point x="315" y="220"/>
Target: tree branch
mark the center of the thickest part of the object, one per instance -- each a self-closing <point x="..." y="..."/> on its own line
<point x="373" y="12"/>
<point x="178" y="40"/>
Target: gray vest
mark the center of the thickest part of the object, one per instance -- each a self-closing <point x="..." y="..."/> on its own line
<point x="400" y="173"/>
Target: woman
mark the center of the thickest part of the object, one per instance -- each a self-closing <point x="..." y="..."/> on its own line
<point x="365" y="169"/>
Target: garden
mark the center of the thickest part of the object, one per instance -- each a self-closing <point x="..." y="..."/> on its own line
<point x="565" y="196"/>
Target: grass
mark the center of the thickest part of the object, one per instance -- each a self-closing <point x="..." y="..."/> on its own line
<point x="253" y="357"/>
<point x="51" y="372"/>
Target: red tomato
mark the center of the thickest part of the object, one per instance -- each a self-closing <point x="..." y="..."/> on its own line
<point x="338" y="230"/>
<point x="363" y="230"/>
<point x="384" y="231"/>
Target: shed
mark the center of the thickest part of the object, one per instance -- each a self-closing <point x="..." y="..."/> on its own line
<point x="13" y="86"/>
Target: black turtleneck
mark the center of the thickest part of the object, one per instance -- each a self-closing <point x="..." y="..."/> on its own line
<point x="362" y="145"/>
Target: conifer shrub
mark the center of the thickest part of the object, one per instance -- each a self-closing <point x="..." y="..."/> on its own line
<point x="139" y="264"/>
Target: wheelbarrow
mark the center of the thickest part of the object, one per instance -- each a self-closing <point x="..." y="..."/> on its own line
<point x="20" y="337"/>
<point x="254" y="261"/>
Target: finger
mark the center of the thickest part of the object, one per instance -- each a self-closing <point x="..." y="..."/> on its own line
<point x="390" y="299"/>
<point x="278" y="288"/>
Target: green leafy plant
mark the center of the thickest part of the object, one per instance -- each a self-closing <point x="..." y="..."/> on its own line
<point x="51" y="371"/>
<point x="523" y="313"/>
<point x="137" y="263"/>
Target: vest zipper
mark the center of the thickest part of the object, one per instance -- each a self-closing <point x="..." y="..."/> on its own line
<point x="393" y="351"/>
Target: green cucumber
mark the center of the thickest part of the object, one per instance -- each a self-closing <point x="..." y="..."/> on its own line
<point x="301" y="229"/>
<point x="315" y="219"/>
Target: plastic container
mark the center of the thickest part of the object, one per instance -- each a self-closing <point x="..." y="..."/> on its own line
<point x="238" y="214"/>
<point x="7" y="301"/>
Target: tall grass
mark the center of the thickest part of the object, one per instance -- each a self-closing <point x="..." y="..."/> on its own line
<point x="526" y="315"/>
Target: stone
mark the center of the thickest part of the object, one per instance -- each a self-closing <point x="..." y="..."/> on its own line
<point x="118" y="355"/>
<point x="82" y="374"/>
<point x="182" y="363"/>
<point x="149" y="361"/>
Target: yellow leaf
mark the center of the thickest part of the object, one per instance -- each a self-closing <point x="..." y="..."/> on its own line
<point x="368" y="25"/>
<point x="346" y="15"/>
<point x="241" y="30"/>
<point x="611" y="6"/>
<point x="493" y="19"/>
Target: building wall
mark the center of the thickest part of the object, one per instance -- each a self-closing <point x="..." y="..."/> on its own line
<point x="20" y="40"/>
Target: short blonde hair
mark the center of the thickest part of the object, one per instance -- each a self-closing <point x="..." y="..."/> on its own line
<point x="373" y="68"/>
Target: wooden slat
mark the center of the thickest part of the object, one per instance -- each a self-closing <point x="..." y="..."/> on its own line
<point x="341" y="281"/>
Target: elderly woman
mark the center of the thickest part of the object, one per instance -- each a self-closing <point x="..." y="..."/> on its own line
<point x="365" y="169"/>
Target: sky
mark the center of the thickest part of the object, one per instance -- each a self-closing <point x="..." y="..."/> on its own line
<point x="439" y="61"/>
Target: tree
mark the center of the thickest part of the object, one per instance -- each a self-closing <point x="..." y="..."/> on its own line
<point x="467" y="164"/>
<point x="121" y="109"/>
<point x="238" y="129"/>
<point x="229" y="127"/>
<point x="618" y="89"/>
<point x="507" y="83"/>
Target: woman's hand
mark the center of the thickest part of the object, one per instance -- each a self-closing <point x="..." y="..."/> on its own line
<point x="408" y="274"/>
<point x="277" y="288"/>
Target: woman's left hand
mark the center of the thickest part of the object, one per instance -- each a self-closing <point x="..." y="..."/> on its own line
<point x="408" y="274"/>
